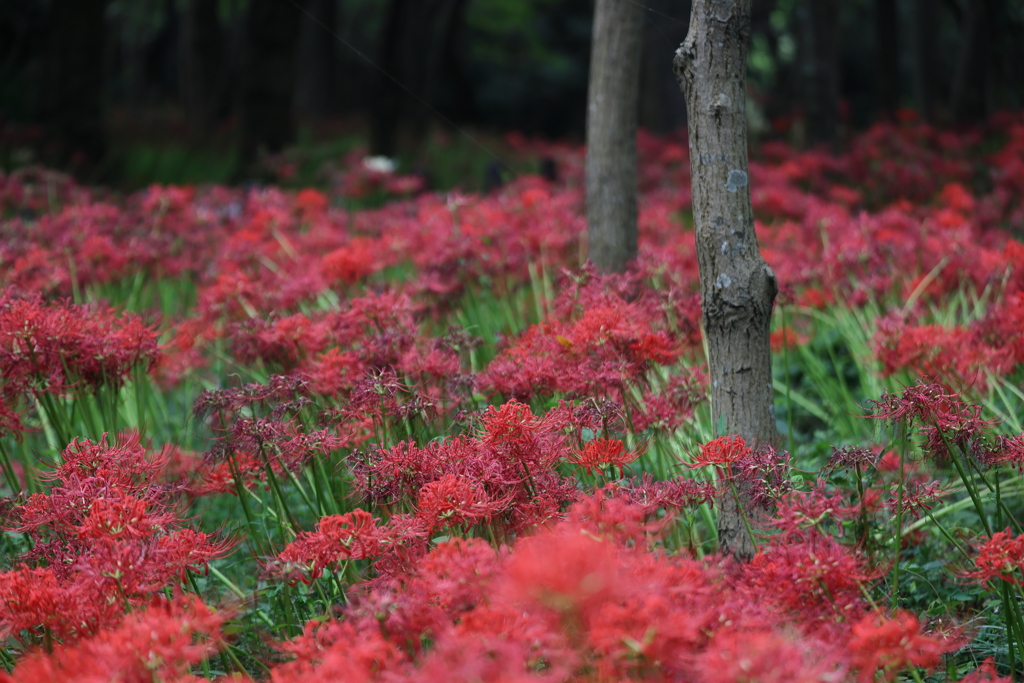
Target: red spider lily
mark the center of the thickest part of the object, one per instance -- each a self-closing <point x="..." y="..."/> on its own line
<point x="122" y="516"/>
<point x="609" y="343"/>
<point x="509" y="424"/>
<point x="817" y="579"/>
<point x="739" y="655"/>
<point x="90" y="472"/>
<point x="917" y="497"/>
<point x="188" y="550"/>
<point x="337" y="538"/>
<point x="162" y="642"/>
<point x="674" y="494"/>
<point x="337" y="651"/>
<point x="888" y="646"/>
<point x="799" y="514"/>
<point x="850" y="458"/>
<point x="1007" y="450"/>
<point x="986" y="673"/>
<point x="1000" y="557"/>
<point x="124" y="463"/>
<point x="672" y="406"/>
<point x="36" y="600"/>
<point x="614" y="518"/>
<point x="721" y="452"/>
<point x="56" y="348"/>
<point x="564" y="571"/>
<point x="453" y="501"/>
<point x="932" y="406"/>
<point x="958" y="354"/>
<point x="283" y="445"/>
<point x="600" y="453"/>
<point x="134" y="569"/>
<point x="107" y="529"/>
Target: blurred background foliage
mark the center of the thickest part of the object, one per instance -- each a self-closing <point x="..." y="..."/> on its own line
<point x="131" y="92"/>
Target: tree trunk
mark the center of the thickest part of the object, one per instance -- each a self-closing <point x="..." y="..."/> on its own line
<point x="448" y="15"/>
<point x="970" y="95"/>
<point x="887" y="52"/>
<point x="202" y="56"/>
<point x="315" y="83"/>
<point x="612" y="104"/>
<point x="737" y="286"/>
<point x="272" y="30"/>
<point x="72" y="99"/>
<point x="385" y="112"/>
<point x="819" y="60"/>
<point x="926" y="67"/>
<point x="461" y="104"/>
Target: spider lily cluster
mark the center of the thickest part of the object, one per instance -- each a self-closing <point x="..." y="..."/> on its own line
<point x="257" y="434"/>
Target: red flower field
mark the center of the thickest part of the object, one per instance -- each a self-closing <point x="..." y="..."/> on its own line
<point x="258" y="434"/>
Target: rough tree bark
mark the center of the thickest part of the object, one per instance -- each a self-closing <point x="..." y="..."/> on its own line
<point x="737" y="286"/>
<point x="612" y="106"/>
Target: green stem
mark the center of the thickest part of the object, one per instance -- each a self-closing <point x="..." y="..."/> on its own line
<point x="899" y="528"/>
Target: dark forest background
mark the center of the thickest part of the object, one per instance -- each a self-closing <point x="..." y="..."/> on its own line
<point x="134" y="91"/>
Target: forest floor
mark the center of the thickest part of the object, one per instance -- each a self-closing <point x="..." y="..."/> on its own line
<point x="373" y="432"/>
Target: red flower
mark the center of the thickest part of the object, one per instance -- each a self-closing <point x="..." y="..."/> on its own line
<point x="338" y="538"/>
<point x="1000" y="557"/>
<point x="742" y="656"/>
<point x="452" y="501"/>
<point x="986" y="673"/>
<point x="892" y="645"/>
<point x="161" y="643"/>
<point x="722" y="451"/>
<point x="598" y="453"/>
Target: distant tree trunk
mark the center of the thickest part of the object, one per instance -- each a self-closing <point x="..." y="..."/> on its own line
<point x="385" y="112"/>
<point x="737" y="286"/>
<point x="162" y="58"/>
<point x="268" y="78"/>
<point x="926" y="67"/>
<point x="888" y="66"/>
<point x="73" y="89"/>
<point x="448" y="14"/>
<point x="453" y="66"/>
<point x="202" y="57"/>
<point x="970" y="95"/>
<point x="315" y="82"/>
<point x="819" y="60"/>
<point x="612" y="104"/>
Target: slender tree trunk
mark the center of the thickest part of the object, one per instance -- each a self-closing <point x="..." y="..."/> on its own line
<point x="737" y="286"/>
<point x="970" y="96"/>
<point x="315" y="83"/>
<point x="453" y="65"/>
<point x="888" y="67"/>
<point x="202" y="57"/>
<point x="926" y="67"/>
<point x="385" y="113"/>
<point x="448" y="15"/>
<point x="268" y="78"/>
<point x="819" y="60"/>
<point x="612" y="104"/>
<point x="73" y="93"/>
